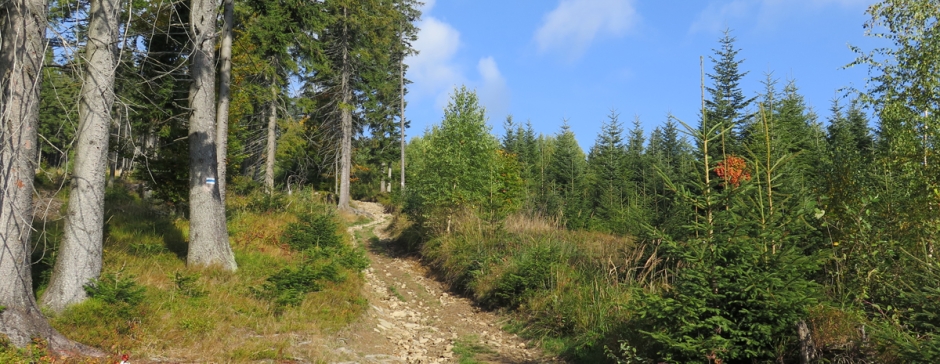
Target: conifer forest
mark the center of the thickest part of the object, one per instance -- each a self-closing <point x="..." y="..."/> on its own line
<point x="185" y="181"/>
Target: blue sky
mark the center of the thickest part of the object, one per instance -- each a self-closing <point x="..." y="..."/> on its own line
<point x="546" y="60"/>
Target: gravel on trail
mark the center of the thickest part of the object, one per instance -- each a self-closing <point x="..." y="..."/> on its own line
<point x="414" y="319"/>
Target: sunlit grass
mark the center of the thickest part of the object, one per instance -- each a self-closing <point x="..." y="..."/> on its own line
<point x="565" y="289"/>
<point x="212" y="315"/>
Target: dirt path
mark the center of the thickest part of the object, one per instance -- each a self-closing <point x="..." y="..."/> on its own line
<point x="413" y="319"/>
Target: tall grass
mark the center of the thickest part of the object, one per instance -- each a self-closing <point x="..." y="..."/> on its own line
<point x="567" y="288"/>
<point x="206" y="314"/>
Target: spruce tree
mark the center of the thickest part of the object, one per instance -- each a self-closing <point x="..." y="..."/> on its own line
<point x="727" y="105"/>
<point x="566" y="174"/>
<point x="607" y="161"/>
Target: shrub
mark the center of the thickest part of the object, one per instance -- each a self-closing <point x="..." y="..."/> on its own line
<point x="113" y="289"/>
<point x="531" y="271"/>
<point x="325" y="258"/>
<point x="313" y="231"/>
<point x="34" y="353"/>
<point x="186" y="285"/>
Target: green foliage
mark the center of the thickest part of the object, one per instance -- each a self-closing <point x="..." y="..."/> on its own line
<point x="558" y="284"/>
<point x="326" y="258"/>
<point x="36" y="352"/>
<point x="457" y="166"/>
<point x="187" y="285"/>
<point x="566" y="175"/>
<point x="530" y="273"/>
<point x="910" y="324"/>
<point x="260" y="201"/>
<point x="467" y="348"/>
<point x="728" y="300"/>
<point x="113" y="289"/>
<point x="313" y="231"/>
<point x="58" y="111"/>
<point x="727" y="105"/>
<point x="288" y="286"/>
<point x="507" y="188"/>
<point x="739" y="283"/>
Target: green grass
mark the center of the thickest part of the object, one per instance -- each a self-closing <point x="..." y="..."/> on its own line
<point x="206" y="314"/>
<point x="467" y="349"/>
<point x="394" y="291"/>
<point x="567" y="290"/>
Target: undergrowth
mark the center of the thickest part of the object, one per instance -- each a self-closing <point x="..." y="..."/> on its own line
<point x="148" y="303"/>
<point x="566" y="289"/>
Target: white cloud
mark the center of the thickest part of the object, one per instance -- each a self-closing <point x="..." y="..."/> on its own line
<point x="493" y="92"/>
<point x="718" y="14"/>
<point x="433" y="70"/>
<point x="715" y="17"/>
<point x="436" y="70"/>
<point x="574" y="24"/>
<point x="426" y="6"/>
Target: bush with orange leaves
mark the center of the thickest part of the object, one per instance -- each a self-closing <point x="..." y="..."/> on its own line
<point x="733" y="170"/>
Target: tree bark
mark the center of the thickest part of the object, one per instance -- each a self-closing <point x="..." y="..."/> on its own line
<point x="401" y="81"/>
<point x="346" y="124"/>
<point x="208" y="235"/>
<point x="225" y="81"/>
<point x="79" y="259"/>
<point x="807" y="347"/>
<point x="272" y="143"/>
<point x="382" y="178"/>
<point x="22" y="23"/>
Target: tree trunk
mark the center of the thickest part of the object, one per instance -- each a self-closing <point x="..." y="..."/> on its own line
<point x="225" y="81"/>
<point x="208" y="235"/>
<point x="79" y="258"/>
<point x="346" y="150"/>
<point x="272" y="143"/>
<point x="807" y="347"/>
<point x="346" y="121"/>
<point x="401" y="81"/>
<point x="22" y="23"/>
<point x="114" y="164"/>
<point x="382" y="178"/>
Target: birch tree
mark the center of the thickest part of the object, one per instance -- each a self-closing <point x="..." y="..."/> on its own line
<point x="79" y="257"/>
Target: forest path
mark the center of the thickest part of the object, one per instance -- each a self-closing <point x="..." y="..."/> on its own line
<point x="413" y="319"/>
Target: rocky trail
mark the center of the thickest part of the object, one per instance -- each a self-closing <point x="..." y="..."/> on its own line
<point x="413" y="318"/>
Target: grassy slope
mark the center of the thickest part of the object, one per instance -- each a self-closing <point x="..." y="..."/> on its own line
<point x="205" y="314"/>
<point x="566" y="288"/>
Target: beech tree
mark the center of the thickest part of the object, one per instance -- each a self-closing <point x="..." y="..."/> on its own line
<point x="79" y="258"/>
<point x="208" y="234"/>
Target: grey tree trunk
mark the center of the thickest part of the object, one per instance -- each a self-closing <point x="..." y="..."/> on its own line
<point x="346" y="150"/>
<point x="346" y="124"/>
<point x="807" y="347"/>
<point x="117" y="126"/>
<point x="22" y="24"/>
<point x="208" y="235"/>
<point x="225" y="81"/>
<point x="401" y="81"/>
<point x="272" y="142"/>
<point x="79" y="257"/>
<point x="382" y="180"/>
